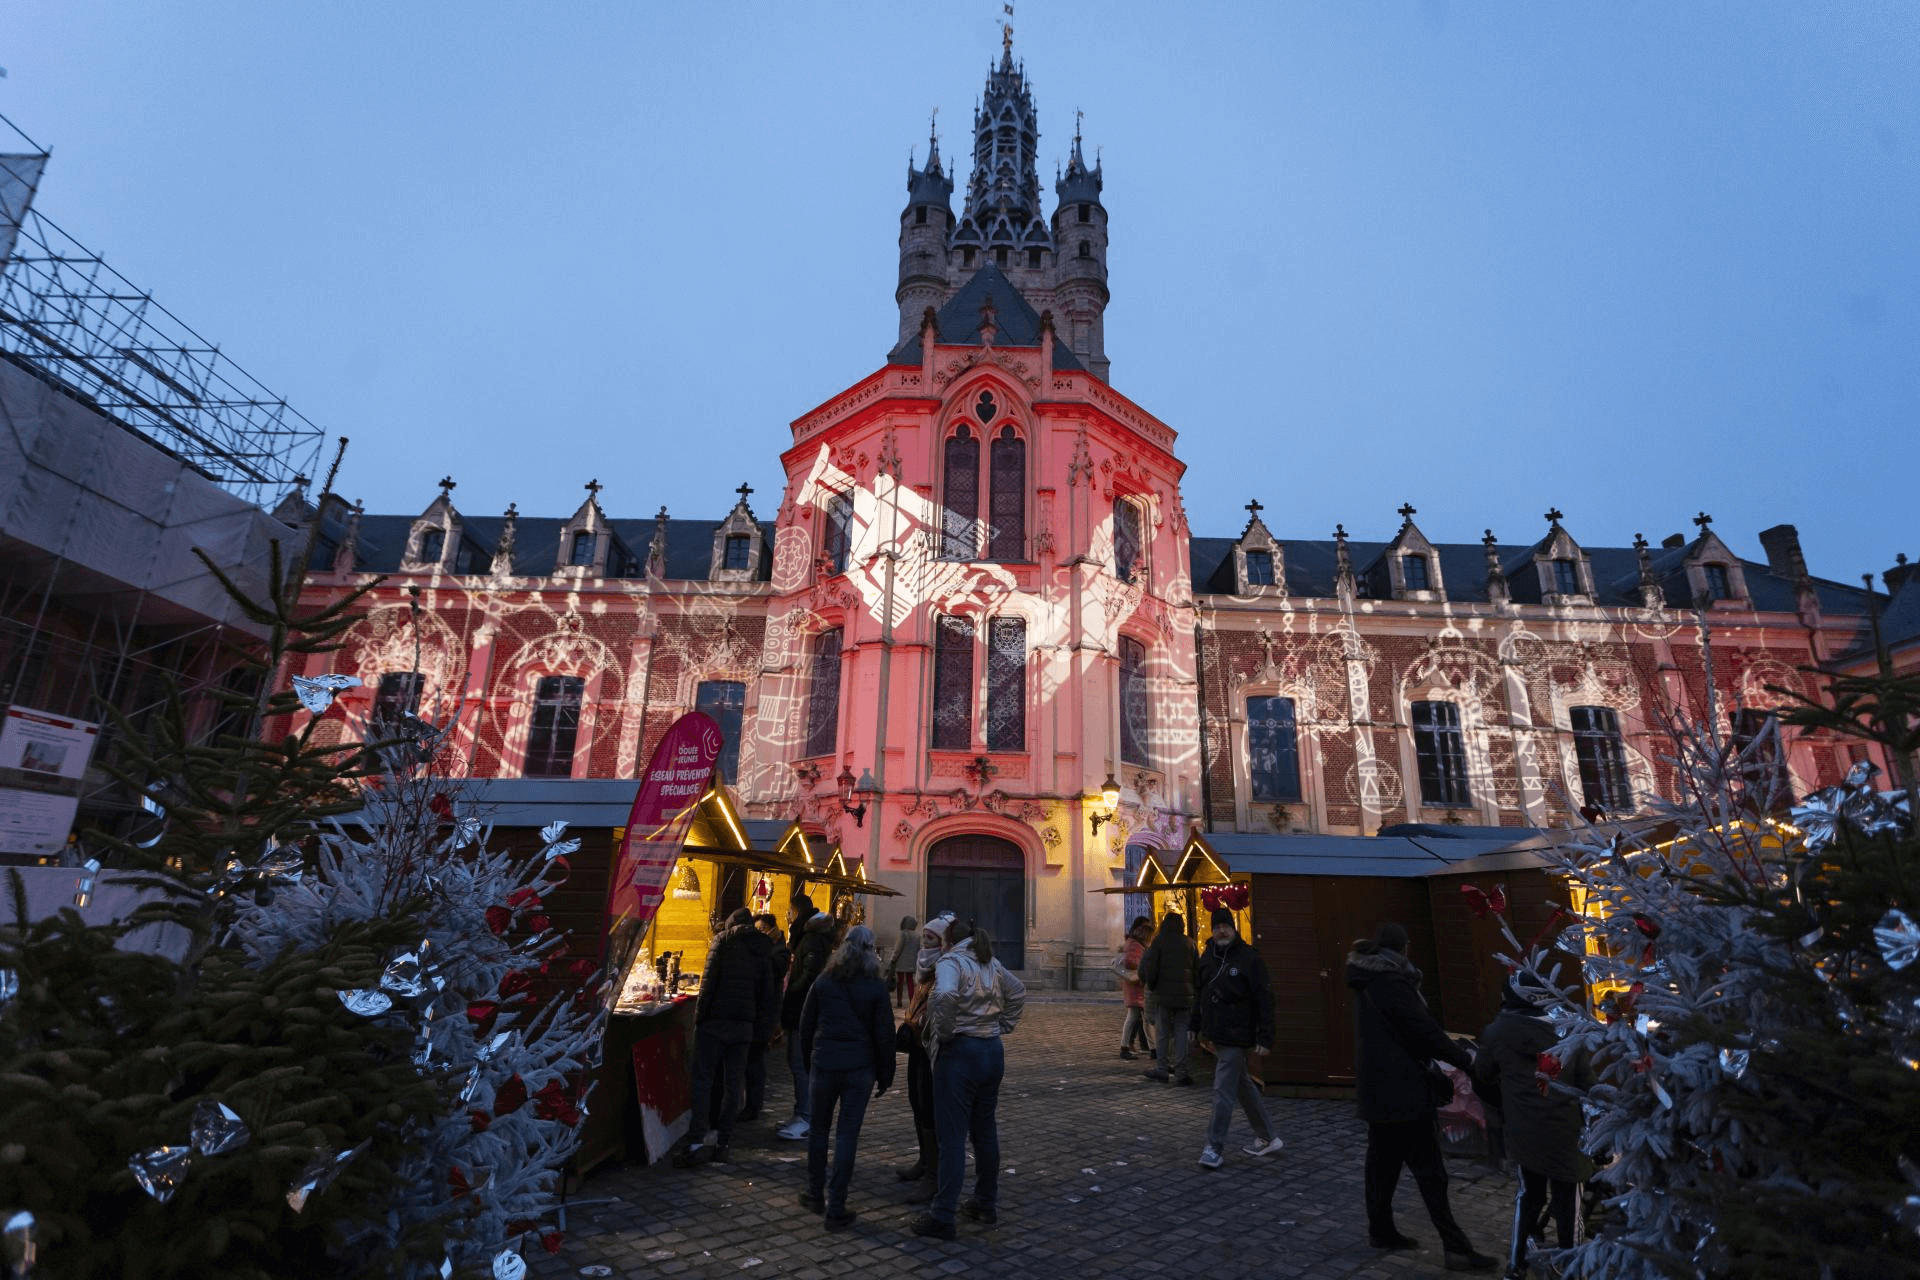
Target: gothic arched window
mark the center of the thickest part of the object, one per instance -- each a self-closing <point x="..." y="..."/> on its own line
<point x="836" y="541"/>
<point x="1007" y="497"/>
<point x="823" y="694"/>
<point x="962" y="510"/>
<point x="953" y="683"/>
<point x="1133" y="701"/>
<point x="1126" y="539"/>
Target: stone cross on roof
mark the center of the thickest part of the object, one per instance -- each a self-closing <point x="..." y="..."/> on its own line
<point x="593" y="488"/>
<point x="1407" y="512"/>
<point x="1703" y="520"/>
<point x="744" y="491"/>
<point x="1255" y="508"/>
<point x="447" y="487"/>
<point x="1554" y="515"/>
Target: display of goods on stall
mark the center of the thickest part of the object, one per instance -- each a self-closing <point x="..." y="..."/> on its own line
<point x="1234" y="897"/>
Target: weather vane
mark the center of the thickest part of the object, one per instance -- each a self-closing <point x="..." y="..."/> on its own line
<point x="1006" y="29"/>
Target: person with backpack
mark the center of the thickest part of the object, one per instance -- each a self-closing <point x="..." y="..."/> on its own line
<point x="735" y="1007"/>
<point x="846" y="1036"/>
<point x="975" y="1002"/>
<point x="1395" y="1042"/>
<point x="1233" y="1012"/>
<point x="1542" y="1128"/>
<point x="812" y="943"/>
<point x="1167" y="971"/>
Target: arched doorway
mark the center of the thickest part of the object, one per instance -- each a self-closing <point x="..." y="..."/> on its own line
<point x="983" y="879"/>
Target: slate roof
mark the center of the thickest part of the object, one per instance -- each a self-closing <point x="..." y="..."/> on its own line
<point x="1016" y="323"/>
<point x="536" y="545"/>
<point x="1463" y="569"/>
<point x="1398" y="856"/>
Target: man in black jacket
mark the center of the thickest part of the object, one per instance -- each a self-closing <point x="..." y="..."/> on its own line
<point x="1395" y="1038"/>
<point x="1234" y="1013"/>
<point x="736" y="1005"/>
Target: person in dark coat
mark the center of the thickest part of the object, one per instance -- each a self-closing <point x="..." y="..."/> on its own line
<point x="1233" y="1011"/>
<point x="736" y="1007"/>
<point x="1395" y="1037"/>
<point x="1167" y="971"/>
<point x="846" y="1035"/>
<point x="810" y="955"/>
<point x="778" y="958"/>
<point x="911" y="1039"/>
<point x="1542" y="1128"/>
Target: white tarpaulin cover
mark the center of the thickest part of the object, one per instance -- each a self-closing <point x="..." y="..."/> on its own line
<point x="19" y="175"/>
<point x="49" y="889"/>
<point x="76" y="484"/>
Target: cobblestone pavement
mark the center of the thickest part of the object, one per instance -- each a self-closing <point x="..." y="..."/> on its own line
<point x="1100" y="1177"/>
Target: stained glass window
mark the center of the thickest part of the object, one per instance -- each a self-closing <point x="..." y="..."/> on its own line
<point x="1007" y="684"/>
<point x="1259" y="568"/>
<point x="984" y="408"/>
<point x="1133" y="701"/>
<point x="556" y="722"/>
<point x="953" y="683"/>
<point x="1442" y="753"/>
<point x="1126" y="539"/>
<point x="962" y="513"/>
<point x="823" y="694"/>
<point x="1007" y="501"/>
<point x="837" y="537"/>
<point x="726" y="702"/>
<point x="1273" y="749"/>
<point x="1603" y="760"/>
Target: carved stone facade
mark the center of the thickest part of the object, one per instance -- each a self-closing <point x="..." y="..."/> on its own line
<point x="979" y="596"/>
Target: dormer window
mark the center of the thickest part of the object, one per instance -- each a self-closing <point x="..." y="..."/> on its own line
<point x="1259" y="568"/>
<point x="1566" y="577"/>
<point x="1413" y="571"/>
<point x="434" y="541"/>
<point x="582" y="555"/>
<point x="739" y="553"/>
<point x="1719" y="586"/>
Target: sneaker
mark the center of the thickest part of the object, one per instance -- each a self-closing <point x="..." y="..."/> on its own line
<point x="1470" y="1261"/>
<point x="985" y="1214"/>
<point x="1393" y="1241"/>
<point x="1127" y="1054"/>
<point x="793" y="1130"/>
<point x="1267" y="1148"/>
<point x="1184" y="1080"/>
<point x="839" y="1221"/>
<point x="1211" y="1159"/>
<point x="1156" y="1075"/>
<point x="928" y="1225"/>
<point x="812" y="1202"/>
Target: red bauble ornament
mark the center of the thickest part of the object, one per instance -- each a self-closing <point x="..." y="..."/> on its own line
<point x="509" y="1097"/>
<point x="498" y="918"/>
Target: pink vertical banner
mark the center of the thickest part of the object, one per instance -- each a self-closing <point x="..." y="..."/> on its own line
<point x="671" y="787"/>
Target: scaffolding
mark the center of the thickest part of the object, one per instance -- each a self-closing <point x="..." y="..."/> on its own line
<point x="127" y="441"/>
<point x="75" y="320"/>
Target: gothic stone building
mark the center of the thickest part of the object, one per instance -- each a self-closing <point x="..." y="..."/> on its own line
<point x="979" y="600"/>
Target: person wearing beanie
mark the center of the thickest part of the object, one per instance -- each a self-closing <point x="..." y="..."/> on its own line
<point x="1234" y="1013"/>
<point x="1542" y="1129"/>
<point x="1167" y="972"/>
<point x="737" y="1004"/>
<point x="1395" y="1039"/>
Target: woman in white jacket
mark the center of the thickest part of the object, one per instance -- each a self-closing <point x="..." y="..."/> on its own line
<point x="975" y="1001"/>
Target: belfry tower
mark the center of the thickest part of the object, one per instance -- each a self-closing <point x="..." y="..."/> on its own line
<point x="1058" y="265"/>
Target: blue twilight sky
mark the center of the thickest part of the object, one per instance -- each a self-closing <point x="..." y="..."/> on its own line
<point x="1631" y="259"/>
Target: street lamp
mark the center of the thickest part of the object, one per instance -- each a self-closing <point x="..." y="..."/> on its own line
<point x="1110" y="796"/>
<point x="849" y="789"/>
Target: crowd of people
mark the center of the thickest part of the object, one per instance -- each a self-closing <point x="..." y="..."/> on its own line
<point x="827" y="992"/>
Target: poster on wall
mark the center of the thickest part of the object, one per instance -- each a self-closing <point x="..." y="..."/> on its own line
<point x="42" y="761"/>
<point x="670" y="789"/>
